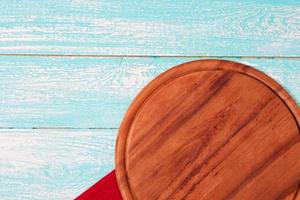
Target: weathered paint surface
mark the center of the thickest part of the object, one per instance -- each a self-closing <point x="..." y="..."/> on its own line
<point x="53" y="164"/>
<point x="93" y="92"/>
<point x="142" y="27"/>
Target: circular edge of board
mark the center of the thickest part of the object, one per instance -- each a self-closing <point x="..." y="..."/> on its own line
<point x="173" y="73"/>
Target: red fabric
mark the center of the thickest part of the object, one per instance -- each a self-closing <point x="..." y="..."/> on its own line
<point x="105" y="189"/>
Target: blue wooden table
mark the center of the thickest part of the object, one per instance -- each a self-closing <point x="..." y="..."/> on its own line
<point x="69" y="69"/>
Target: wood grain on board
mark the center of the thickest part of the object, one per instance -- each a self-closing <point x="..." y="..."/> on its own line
<point x="210" y="130"/>
<point x="185" y="28"/>
<point x="94" y="92"/>
<point x="292" y="195"/>
<point x="53" y="164"/>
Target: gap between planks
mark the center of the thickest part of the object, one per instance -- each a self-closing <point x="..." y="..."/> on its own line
<point x="147" y="56"/>
<point x="55" y="128"/>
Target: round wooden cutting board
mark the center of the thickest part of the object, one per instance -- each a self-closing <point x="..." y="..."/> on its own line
<point x="210" y="130"/>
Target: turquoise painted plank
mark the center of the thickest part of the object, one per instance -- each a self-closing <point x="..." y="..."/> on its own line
<point x="190" y="27"/>
<point x="94" y="92"/>
<point x="53" y="164"/>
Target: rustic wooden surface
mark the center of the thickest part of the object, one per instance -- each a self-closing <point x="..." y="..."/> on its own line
<point x="53" y="163"/>
<point x="210" y="130"/>
<point x="94" y="92"/>
<point x="251" y="27"/>
<point x="57" y="88"/>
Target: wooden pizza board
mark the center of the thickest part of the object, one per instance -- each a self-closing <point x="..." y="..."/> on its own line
<point x="210" y="130"/>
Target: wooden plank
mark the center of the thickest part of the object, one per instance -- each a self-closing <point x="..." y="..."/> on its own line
<point x="94" y="92"/>
<point x="252" y="28"/>
<point x="53" y="164"/>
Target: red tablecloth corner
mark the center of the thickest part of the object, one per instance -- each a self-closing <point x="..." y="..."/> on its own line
<point x="105" y="189"/>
